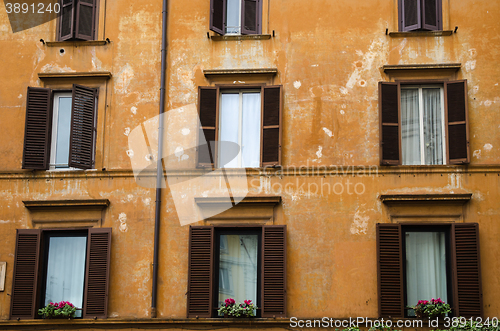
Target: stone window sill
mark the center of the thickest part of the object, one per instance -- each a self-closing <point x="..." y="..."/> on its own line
<point x="76" y="43"/>
<point x="241" y="37"/>
<point x="397" y="34"/>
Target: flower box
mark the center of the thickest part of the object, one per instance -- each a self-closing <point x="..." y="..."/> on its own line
<point x="59" y="310"/>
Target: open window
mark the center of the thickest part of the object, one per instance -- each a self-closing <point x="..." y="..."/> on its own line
<point x="78" y="20"/>
<point x="420" y="15"/>
<point x="235" y="17"/>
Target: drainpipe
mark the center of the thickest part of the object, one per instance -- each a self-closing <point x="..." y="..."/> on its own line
<point x="159" y="163"/>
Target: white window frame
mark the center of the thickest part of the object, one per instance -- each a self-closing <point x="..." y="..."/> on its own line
<point x="53" y="143"/>
<point x="239" y="21"/>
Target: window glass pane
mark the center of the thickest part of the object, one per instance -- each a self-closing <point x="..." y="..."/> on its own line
<point x="233" y="16"/>
<point x="238" y="268"/>
<point x="410" y="126"/>
<point x="63" y="132"/>
<point x="250" y="144"/>
<point x="229" y="128"/>
<point x="433" y="126"/>
<point x="66" y="270"/>
<point x="425" y="267"/>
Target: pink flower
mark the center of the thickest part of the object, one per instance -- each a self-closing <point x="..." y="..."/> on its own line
<point x="248" y="302"/>
<point x="229" y="302"/>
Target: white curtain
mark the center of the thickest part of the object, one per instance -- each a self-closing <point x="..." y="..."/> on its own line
<point x="233" y="13"/>
<point x="66" y="270"/>
<point x="425" y="266"/>
<point x="410" y="126"/>
<point x="433" y="133"/>
<point x="63" y="132"/>
<point x="229" y="128"/>
<point x="250" y="140"/>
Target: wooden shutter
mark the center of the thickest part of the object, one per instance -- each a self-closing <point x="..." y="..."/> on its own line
<point x="67" y="20"/>
<point x="251" y="17"/>
<point x="25" y="279"/>
<point x="218" y="16"/>
<point x="390" y="133"/>
<point x="200" y="274"/>
<point x="97" y="273"/>
<point x="85" y="19"/>
<point x="468" y="297"/>
<point x="409" y="15"/>
<point x="271" y="125"/>
<point x="207" y="100"/>
<point x="457" y="122"/>
<point x="83" y="127"/>
<point x="37" y="130"/>
<point x="390" y="270"/>
<point x="273" y="271"/>
<point x="431" y="15"/>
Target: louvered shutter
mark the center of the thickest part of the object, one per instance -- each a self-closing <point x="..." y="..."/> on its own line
<point x="431" y="14"/>
<point x="251" y="17"/>
<point x="390" y="270"/>
<point x="83" y="127"/>
<point x="25" y="279"/>
<point x="97" y="273"/>
<point x="67" y="20"/>
<point x="200" y="274"/>
<point x="208" y="119"/>
<point x="271" y="126"/>
<point x="37" y="130"/>
<point x="410" y="15"/>
<point x="390" y="136"/>
<point x="274" y="271"/>
<point x="457" y="122"/>
<point x="85" y="19"/>
<point x="218" y="16"/>
<point x="468" y="299"/>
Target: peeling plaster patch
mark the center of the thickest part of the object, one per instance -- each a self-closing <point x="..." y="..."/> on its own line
<point x="146" y="201"/>
<point x="318" y="153"/>
<point x="179" y="151"/>
<point x="487" y="103"/>
<point x="314" y="65"/>
<point x="130" y="153"/>
<point x="204" y="194"/>
<point x="19" y="96"/>
<point x="472" y="52"/>
<point x="342" y="112"/>
<point x="123" y="79"/>
<point x="328" y="132"/>
<point x="360" y="223"/>
<point x="344" y="91"/>
<point x="3" y="222"/>
<point x="470" y="65"/>
<point x="113" y="315"/>
<point x="488" y="147"/>
<point x="184" y="157"/>
<point x="475" y="89"/>
<point x="297" y="84"/>
<point x="95" y="61"/>
<point x="123" y="222"/>
<point x="185" y="131"/>
<point x="359" y="53"/>
<point x="55" y="68"/>
<point x="127" y="131"/>
<point x="477" y="154"/>
<point x="130" y="197"/>
<point x="133" y="110"/>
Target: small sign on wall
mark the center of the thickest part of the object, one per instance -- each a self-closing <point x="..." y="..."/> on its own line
<point x="3" y="269"/>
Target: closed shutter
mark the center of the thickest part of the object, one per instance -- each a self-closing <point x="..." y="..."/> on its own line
<point x="208" y="119"/>
<point x="431" y="15"/>
<point x="390" y="136"/>
<point x="37" y="130"/>
<point x="390" y="270"/>
<point x="97" y="273"/>
<point x="85" y="19"/>
<point x="468" y="298"/>
<point x="83" y="127"/>
<point x="251" y="17"/>
<point x="200" y="274"/>
<point x="457" y="122"/>
<point x="271" y="126"/>
<point x="409" y="15"/>
<point x="67" y="20"/>
<point x="25" y="279"/>
<point x="218" y="16"/>
<point x="274" y="271"/>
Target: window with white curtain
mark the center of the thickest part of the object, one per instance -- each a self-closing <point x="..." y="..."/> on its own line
<point x="240" y="123"/>
<point x="61" y="130"/>
<point x="422" y="125"/>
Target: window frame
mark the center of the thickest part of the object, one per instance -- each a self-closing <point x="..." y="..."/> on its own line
<point x="218" y="18"/>
<point x="74" y="36"/>
<point x="421" y="23"/>
<point x="53" y="141"/>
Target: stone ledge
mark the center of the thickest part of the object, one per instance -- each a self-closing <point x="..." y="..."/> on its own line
<point x="76" y="43"/>
<point x="75" y="75"/>
<point x="397" y="34"/>
<point x="241" y="37"/>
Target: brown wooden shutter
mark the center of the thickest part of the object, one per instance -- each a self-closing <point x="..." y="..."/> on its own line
<point x="457" y="122"/>
<point x="85" y="19"/>
<point x="468" y="296"/>
<point x="390" y="270"/>
<point x="273" y="271"/>
<point x="271" y="125"/>
<point x="37" y="130"/>
<point x="83" y="127"/>
<point x="251" y="17"/>
<point x="409" y="15"/>
<point x="97" y="273"/>
<point x="218" y="16"/>
<point x="390" y="133"/>
<point x="67" y="20"/>
<point x="431" y="15"/>
<point x="25" y="279"/>
<point x="200" y="274"/>
<point x="207" y="103"/>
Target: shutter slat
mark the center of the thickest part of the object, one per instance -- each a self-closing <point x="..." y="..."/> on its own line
<point x="274" y="271"/>
<point x="218" y="16"/>
<point x="389" y="123"/>
<point x="250" y="16"/>
<point x="207" y="110"/>
<point x="457" y="122"/>
<point x="271" y="126"/>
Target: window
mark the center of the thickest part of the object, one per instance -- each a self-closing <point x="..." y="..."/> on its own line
<point x="60" y="129"/>
<point x="420" y="15"/>
<point x="249" y="117"/>
<point x="424" y="124"/>
<point x="253" y="266"/>
<point x="450" y="269"/>
<point x="73" y="266"/>
<point x="236" y="16"/>
<point x="78" y="20"/>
